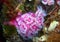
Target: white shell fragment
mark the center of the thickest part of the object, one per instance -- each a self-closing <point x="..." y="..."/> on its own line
<point x="43" y="38"/>
<point x="53" y="25"/>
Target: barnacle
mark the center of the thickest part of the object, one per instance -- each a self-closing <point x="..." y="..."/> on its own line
<point x="43" y="38"/>
<point x="40" y="39"/>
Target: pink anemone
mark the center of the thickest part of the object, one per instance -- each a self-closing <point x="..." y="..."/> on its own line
<point x="30" y="23"/>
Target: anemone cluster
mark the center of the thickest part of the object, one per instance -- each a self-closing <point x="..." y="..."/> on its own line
<point x="29" y="23"/>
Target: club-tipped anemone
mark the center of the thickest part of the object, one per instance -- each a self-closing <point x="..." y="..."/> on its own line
<point x="29" y="23"/>
<point x="48" y="2"/>
<point x="58" y="2"/>
<point x="44" y="2"/>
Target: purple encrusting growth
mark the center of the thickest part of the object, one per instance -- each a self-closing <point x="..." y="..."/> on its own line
<point x="30" y="23"/>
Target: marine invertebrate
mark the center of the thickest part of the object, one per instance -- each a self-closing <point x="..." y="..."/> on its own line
<point x="29" y="23"/>
<point x="49" y="2"/>
<point x="58" y="2"/>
